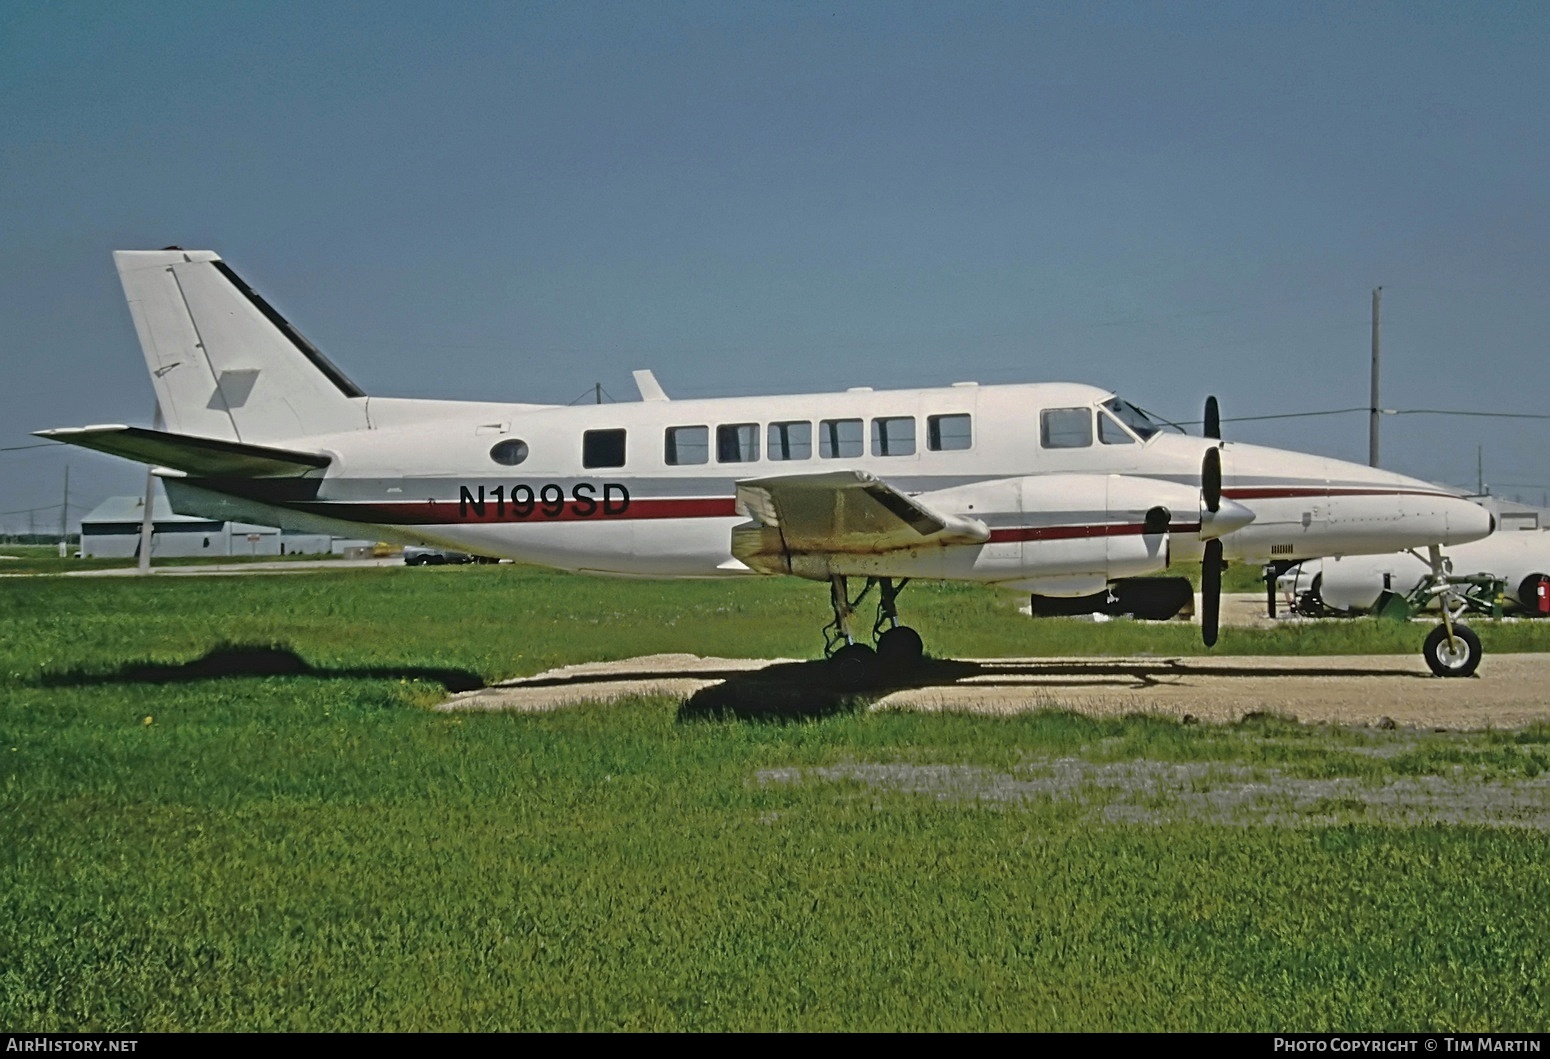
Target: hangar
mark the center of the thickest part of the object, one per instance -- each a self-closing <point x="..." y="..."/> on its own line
<point x="112" y="531"/>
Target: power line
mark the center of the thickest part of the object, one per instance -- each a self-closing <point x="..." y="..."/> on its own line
<point x="1292" y="415"/>
<point x="1364" y="408"/>
<point x="1455" y="412"/>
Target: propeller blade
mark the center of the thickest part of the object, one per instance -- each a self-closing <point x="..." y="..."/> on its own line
<point x="1210" y="591"/>
<point x="1211" y="479"/>
<point x="1213" y="428"/>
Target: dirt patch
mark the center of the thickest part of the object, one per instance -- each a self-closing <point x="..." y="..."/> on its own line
<point x="1378" y="690"/>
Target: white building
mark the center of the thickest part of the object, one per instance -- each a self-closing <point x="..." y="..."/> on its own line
<point x="112" y="531"/>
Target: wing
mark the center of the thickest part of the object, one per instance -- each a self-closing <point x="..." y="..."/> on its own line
<point x="840" y="511"/>
<point x="202" y="457"/>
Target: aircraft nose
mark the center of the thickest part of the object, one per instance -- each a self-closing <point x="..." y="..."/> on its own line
<point x="1468" y="521"/>
<point x="1229" y="515"/>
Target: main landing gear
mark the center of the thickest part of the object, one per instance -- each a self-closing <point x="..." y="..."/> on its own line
<point x="899" y="647"/>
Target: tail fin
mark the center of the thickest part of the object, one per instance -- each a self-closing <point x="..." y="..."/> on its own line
<point x="224" y="363"/>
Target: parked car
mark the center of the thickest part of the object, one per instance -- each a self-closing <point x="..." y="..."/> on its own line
<point x="416" y="555"/>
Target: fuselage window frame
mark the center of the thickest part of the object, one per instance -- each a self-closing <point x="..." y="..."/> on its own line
<point x="686" y="446"/>
<point x="893" y="436"/>
<point x="509" y="453"/>
<point x="841" y="439"/>
<point x="940" y="440"/>
<point x="790" y="439"/>
<point x="1066" y="428"/>
<point x="603" y="448"/>
<point x="737" y="443"/>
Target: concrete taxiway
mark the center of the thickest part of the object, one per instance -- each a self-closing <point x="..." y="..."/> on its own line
<point x="1378" y="690"/>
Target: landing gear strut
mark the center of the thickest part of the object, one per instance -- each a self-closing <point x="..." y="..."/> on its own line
<point x="1452" y="649"/>
<point x="899" y="647"/>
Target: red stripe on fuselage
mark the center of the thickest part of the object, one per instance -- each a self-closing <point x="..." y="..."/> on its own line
<point x="1062" y="533"/>
<point x="455" y="513"/>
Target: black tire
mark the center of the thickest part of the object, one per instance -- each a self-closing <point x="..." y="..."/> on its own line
<point x="899" y="649"/>
<point x="1460" y="660"/>
<point x="1528" y="594"/>
<point x="1311" y="603"/>
<point x="854" y="666"/>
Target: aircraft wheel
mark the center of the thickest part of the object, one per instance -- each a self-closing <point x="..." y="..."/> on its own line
<point x="1459" y="659"/>
<point x="1528" y="593"/>
<point x="1311" y="603"/>
<point x="854" y="666"/>
<point x="900" y="648"/>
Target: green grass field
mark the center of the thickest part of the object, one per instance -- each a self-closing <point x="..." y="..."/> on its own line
<point x="311" y="848"/>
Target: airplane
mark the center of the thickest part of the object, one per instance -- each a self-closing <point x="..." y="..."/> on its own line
<point x="1055" y="488"/>
<point x="1354" y="584"/>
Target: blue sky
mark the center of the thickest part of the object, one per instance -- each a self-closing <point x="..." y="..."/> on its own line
<point x="518" y="201"/>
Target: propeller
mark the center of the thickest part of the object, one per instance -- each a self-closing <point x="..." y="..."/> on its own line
<point x="1210" y="591"/>
<point x="1213" y="427"/>
<point x="1211" y="504"/>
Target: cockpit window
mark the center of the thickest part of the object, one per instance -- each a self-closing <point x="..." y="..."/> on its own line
<point x="1111" y="433"/>
<point x="1066" y="428"/>
<point x="1138" y="421"/>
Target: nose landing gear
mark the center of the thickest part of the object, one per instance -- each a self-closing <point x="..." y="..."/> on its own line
<point x="899" y="647"/>
<point x="1452" y="649"/>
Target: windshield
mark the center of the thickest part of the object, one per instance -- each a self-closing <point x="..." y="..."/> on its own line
<point x="1137" y="420"/>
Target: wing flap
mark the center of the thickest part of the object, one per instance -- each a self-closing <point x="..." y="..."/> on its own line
<point x="841" y="512"/>
<point x="200" y="457"/>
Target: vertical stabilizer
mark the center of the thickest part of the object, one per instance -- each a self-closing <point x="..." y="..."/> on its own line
<point x="224" y="363"/>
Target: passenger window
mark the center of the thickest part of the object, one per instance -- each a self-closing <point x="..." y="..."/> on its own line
<point x="894" y="436"/>
<point x="602" y="448"/>
<point x="1111" y="433"/>
<point x="684" y="445"/>
<point x="790" y="441"/>
<point x="1066" y="428"/>
<point x="509" y="453"/>
<point x="839" y="438"/>
<point x="737" y="443"/>
<point x="949" y="433"/>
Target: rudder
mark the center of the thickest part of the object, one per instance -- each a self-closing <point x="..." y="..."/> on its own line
<point x="224" y="363"/>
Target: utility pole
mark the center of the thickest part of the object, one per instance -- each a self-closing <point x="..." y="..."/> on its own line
<point x="1374" y="412"/>
<point x="143" y="565"/>
<point x="599" y="391"/>
<point x="143" y="560"/>
<point x="64" y="518"/>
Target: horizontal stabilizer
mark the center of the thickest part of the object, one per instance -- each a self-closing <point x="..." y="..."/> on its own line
<point x="200" y="457"/>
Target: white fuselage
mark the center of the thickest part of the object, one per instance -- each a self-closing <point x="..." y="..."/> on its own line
<point x="648" y="488"/>
<point x="1353" y="583"/>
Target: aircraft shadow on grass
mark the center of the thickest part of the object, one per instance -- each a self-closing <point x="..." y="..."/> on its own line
<point x="253" y="660"/>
